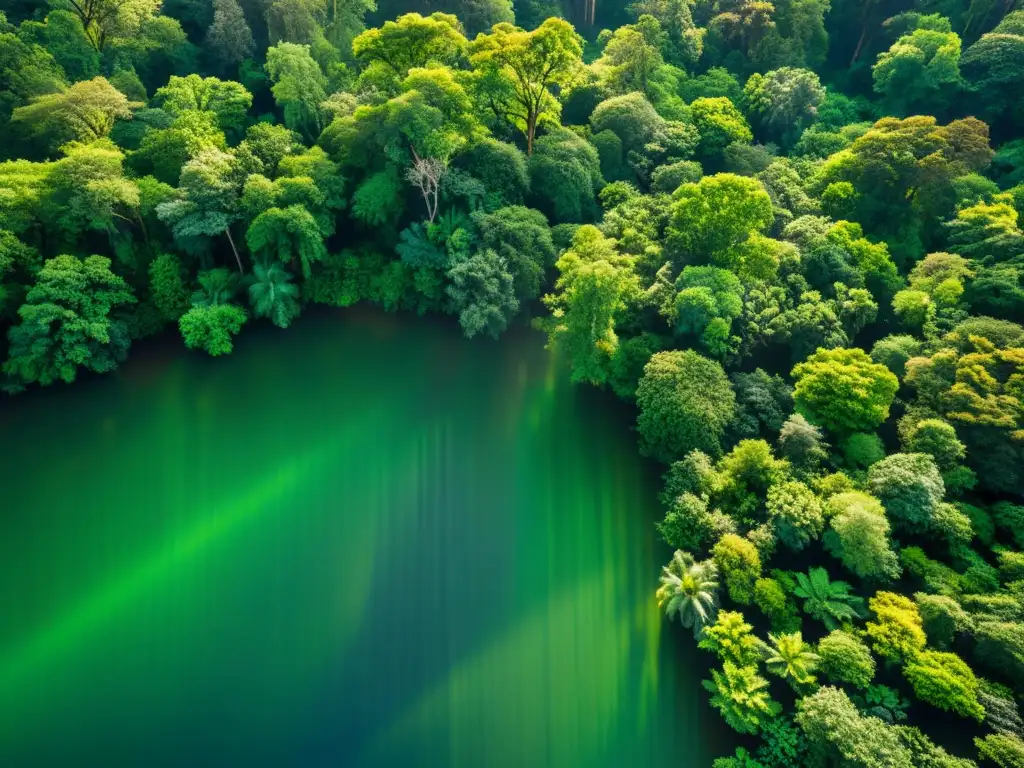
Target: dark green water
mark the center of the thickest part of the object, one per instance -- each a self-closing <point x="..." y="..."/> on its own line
<point x="363" y="541"/>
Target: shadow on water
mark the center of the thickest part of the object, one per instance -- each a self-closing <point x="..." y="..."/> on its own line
<point x="362" y="541"/>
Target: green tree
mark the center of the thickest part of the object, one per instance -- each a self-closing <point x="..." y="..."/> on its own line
<point x="106" y="20"/>
<point x="921" y="71"/>
<point x="630" y="117"/>
<point x="719" y="124"/>
<point x="716" y="215"/>
<point x="229" y="39"/>
<point x="896" y="632"/>
<point x="840" y="735"/>
<point x="272" y="294"/>
<point x="412" y="41"/>
<point x="522" y="237"/>
<point x="739" y="563"/>
<point x="685" y="403"/>
<point x="845" y="659"/>
<point x="631" y="57"/>
<point x="483" y="293"/>
<point x="299" y="87"/>
<point x="830" y="602"/>
<point x="796" y="513"/>
<point x="859" y="536"/>
<point x="1003" y="750"/>
<point x="290" y="235"/>
<point x="784" y="101"/>
<point x="741" y="695"/>
<point x="67" y="323"/>
<point x="789" y="657"/>
<point x="689" y="589"/>
<point x="910" y="487"/>
<point x="228" y="100"/>
<point x="843" y="390"/>
<point x="207" y="202"/>
<point x="517" y="72"/>
<point x="944" y="680"/>
<point x="593" y="284"/>
<point x="210" y="328"/>
<point x="732" y="639"/>
<point x="85" y="111"/>
<point x="167" y="286"/>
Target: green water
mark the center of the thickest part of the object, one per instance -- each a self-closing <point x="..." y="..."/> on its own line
<point x="364" y="541"/>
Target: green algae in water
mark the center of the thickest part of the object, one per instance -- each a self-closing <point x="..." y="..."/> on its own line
<point x="363" y="541"/>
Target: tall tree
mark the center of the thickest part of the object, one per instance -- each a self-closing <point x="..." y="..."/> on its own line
<point x="517" y="72"/>
<point x="299" y="87"/>
<point x="207" y="202"/>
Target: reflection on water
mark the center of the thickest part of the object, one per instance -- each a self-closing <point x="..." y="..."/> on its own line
<point x="363" y="542"/>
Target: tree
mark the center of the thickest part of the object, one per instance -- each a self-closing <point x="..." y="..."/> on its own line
<point x="593" y="284"/>
<point x="207" y="202"/>
<point x="228" y="100"/>
<point x="845" y="659"/>
<point x="412" y="41"/>
<point x="945" y="681"/>
<point x="800" y="442"/>
<point x="565" y="175"/>
<point x="630" y="117"/>
<point x="830" y="602"/>
<point x="910" y="487"/>
<point x="685" y="403"/>
<point x="631" y="58"/>
<point x="843" y="390"/>
<point x="1003" y="750"/>
<point x="740" y="694"/>
<point x="719" y="124"/>
<point x="732" y="639"/>
<point x="104" y="20"/>
<point x="522" y="237"/>
<point x="784" y="101"/>
<point x="229" y="39"/>
<point x="299" y="87"/>
<point x="518" y="70"/>
<point x="993" y="65"/>
<point x="272" y="294"/>
<point x="210" y="328"/>
<point x="840" y="735"/>
<point x="714" y="216"/>
<point x="85" y="111"/>
<point x="921" y="71"/>
<point x="896" y="633"/>
<point x="167" y="286"/>
<point x="739" y="563"/>
<point x="796" y="513"/>
<point x="859" y="536"/>
<point x="482" y="292"/>
<point x="689" y="589"/>
<point x="67" y="323"/>
<point x="289" y="235"/>
<point x="789" y="657"/>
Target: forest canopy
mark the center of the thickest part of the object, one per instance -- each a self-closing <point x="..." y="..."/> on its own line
<point x="788" y="232"/>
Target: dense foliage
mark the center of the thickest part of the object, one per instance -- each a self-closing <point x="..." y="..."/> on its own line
<point x="788" y="232"/>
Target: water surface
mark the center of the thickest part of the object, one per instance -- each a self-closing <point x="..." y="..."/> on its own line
<point x="363" y="541"/>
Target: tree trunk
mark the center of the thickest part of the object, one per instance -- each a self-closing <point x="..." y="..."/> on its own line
<point x="531" y="129"/>
<point x="860" y="43"/>
<point x="227" y="231"/>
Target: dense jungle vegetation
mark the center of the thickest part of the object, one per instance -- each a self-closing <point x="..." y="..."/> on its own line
<point x="788" y="231"/>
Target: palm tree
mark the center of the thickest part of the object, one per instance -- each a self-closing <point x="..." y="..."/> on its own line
<point x="789" y="657"/>
<point x="216" y="286"/>
<point x="690" y="589"/>
<point x="827" y="601"/>
<point x="272" y="294"/>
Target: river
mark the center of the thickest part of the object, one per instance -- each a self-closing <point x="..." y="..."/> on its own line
<point x="363" y="541"/>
